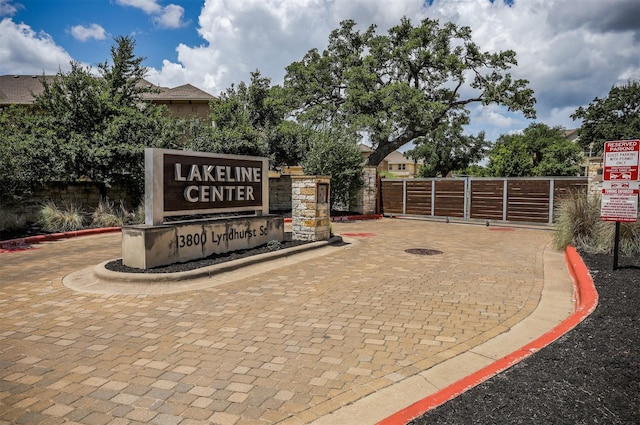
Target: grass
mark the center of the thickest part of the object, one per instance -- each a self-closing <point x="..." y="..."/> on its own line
<point x="70" y="217"/>
<point x="56" y="219"/>
<point x="579" y="224"/>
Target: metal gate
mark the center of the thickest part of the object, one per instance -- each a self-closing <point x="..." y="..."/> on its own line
<point x="526" y="199"/>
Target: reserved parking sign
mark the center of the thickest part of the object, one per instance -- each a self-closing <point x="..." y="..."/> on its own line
<point x="620" y="181"/>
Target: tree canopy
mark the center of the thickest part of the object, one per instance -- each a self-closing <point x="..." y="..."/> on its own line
<point x="335" y="152"/>
<point x="615" y="117"/>
<point x="401" y="86"/>
<point x="250" y="119"/>
<point x="447" y="149"/>
<point x="85" y="126"/>
<point x="539" y="151"/>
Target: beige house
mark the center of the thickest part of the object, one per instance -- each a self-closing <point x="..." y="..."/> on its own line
<point x="396" y="163"/>
<point x="182" y="101"/>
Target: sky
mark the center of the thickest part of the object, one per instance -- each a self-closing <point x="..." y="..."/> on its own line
<point x="571" y="51"/>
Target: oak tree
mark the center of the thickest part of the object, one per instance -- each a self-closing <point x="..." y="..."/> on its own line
<point x="614" y="117"/>
<point x="402" y="85"/>
<point x="539" y="151"/>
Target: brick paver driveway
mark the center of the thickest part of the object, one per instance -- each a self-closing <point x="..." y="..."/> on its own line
<point x="286" y="346"/>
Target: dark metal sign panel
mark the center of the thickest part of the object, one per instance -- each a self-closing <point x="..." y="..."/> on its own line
<point x="196" y="183"/>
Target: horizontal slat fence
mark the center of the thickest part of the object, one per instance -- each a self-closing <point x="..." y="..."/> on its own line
<point x="532" y="200"/>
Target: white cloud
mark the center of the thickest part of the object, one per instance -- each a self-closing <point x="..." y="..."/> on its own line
<point x="242" y="36"/>
<point x="7" y="9"/>
<point x="23" y="51"/>
<point x="149" y="7"/>
<point x="83" y="33"/>
<point x="170" y="16"/>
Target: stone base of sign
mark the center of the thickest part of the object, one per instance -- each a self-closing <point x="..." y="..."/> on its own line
<point x="310" y="208"/>
<point x="147" y="246"/>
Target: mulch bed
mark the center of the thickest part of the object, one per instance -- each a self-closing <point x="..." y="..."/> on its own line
<point x="591" y="375"/>
<point x="117" y="265"/>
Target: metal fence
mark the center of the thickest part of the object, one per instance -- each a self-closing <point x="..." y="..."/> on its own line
<point x="532" y="200"/>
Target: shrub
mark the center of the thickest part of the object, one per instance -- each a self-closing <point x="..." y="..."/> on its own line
<point x="629" y="240"/>
<point x="10" y="221"/>
<point x="578" y="217"/>
<point x="137" y="216"/>
<point x="105" y="215"/>
<point x="579" y="224"/>
<point x="55" y="219"/>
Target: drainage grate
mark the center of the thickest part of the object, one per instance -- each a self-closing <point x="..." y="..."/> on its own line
<point x="422" y="251"/>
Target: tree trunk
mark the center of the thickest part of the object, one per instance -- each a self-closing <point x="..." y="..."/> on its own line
<point x="385" y="147"/>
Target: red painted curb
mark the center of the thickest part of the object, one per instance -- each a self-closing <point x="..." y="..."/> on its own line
<point x="586" y="302"/>
<point x="16" y="243"/>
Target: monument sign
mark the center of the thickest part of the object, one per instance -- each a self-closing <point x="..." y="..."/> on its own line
<point x="190" y="187"/>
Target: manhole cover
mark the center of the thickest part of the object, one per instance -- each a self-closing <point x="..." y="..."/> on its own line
<point x="422" y="251"/>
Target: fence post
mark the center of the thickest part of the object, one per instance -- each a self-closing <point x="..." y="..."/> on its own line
<point x="505" y="199"/>
<point x="551" y="190"/>
<point x="404" y="196"/>
<point x="433" y="198"/>
<point x="466" y="214"/>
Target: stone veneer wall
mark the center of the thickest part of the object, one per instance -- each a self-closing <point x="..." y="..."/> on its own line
<point x="366" y="197"/>
<point x="310" y="218"/>
<point x="85" y="195"/>
<point x="594" y="175"/>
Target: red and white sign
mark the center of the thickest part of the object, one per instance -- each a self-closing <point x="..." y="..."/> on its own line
<point x="621" y="160"/>
<point x="620" y="181"/>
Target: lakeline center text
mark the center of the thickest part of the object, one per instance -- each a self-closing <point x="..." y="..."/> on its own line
<point x="218" y="174"/>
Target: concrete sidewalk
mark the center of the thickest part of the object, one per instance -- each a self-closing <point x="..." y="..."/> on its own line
<point x="350" y="334"/>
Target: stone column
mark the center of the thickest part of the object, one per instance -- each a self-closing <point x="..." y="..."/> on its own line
<point x="310" y="208"/>
<point x="367" y="196"/>
<point x="594" y="175"/>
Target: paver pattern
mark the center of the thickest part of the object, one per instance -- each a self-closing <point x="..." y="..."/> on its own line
<point x="284" y="347"/>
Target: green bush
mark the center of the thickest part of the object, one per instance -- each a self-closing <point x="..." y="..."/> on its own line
<point x="55" y="219"/>
<point x="579" y="224"/>
<point x="107" y="215"/>
<point x="578" y="216"/>
<point x="629" y="240"/>
<point x="10" y="221"/>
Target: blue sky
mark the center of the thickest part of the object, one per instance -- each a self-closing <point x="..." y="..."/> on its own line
<point x="86" y="28"/>
<point x="571" y="51"/>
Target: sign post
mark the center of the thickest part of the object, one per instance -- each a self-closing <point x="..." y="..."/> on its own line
<point x="620" y="186"/>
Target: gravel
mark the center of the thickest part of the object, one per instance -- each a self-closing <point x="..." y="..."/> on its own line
<point x="591" y="375"/>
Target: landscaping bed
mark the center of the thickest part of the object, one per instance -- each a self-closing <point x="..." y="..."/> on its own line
<point x="591" y="375"/>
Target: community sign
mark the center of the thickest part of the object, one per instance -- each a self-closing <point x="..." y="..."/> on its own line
<point x="187" y="183"/>
<point x="620" y="181"/>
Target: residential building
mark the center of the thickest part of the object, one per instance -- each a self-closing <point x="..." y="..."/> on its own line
<point x="182" y="101"/>
<point x="396" y="163"/>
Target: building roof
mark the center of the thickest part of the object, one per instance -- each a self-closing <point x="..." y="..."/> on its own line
<point x="571" y="134"/>
<point x="22" y="89"/>
<point x="397" y="157"/>
<point x="184" y="92"/>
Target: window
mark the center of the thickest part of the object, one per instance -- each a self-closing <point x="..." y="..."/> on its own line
<point x="402" y="166"/>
